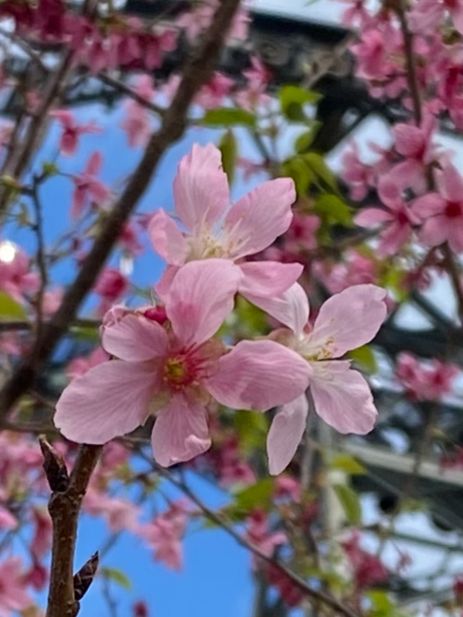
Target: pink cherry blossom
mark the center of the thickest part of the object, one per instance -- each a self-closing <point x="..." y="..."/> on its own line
<point x="213" y="229"/>
<point x="71" y="130"/>
<point x="368" y="569"/>
<point x="120" y="514"/>
<point x="342" y="397"/>
<point x="255" y="93"/>
<point x="164" y="534"/>
<point x="215" y="91"/>
<point x="260" y="534"/>
<point x="442" y="212"/>
<point x="397" y="219"/>
<point x="88" y="188"/>
<point x="111" y="286"/>
<point x="426" y="15"/>
<point x="137" y="122"/>
<point x="13" y="595"/>
<point x="178" y="369"/>
<point x="16" y="278"/>
<point x="79" y="366"/>
<point x="426" y="380"/>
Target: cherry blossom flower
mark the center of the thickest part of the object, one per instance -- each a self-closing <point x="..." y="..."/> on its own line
<point x="368" y="569"/>
<point x="120" y="514"/>
<point x="442" y="211"/>
<point x="255" y="93"/>
<point x="16" y="278"/>
<point x="260" y="535"/>
<point x="79" y="366"/>
<point x="214" y="92"/>
<point x="88" y="187"/>
<point x="13" y="595"/>
<point x="397" y="218"/>
<point x="213" y="229"/>
<point x="71" y="130"/>
<point x="426" y="15"/>
<point x="342" y="397"/>
<point x="111" y="286"/>
<point x="137" y="120"/>
<point x="178" y="369"/>
<point x="425" y="381"/>
<point x="164" y="534"/>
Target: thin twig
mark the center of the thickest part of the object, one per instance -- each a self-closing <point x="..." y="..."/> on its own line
<point x="315" y="594"/>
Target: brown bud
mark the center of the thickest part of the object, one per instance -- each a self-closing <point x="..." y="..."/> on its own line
<point x="84" y="577"/>
<point x="54" y="466"/>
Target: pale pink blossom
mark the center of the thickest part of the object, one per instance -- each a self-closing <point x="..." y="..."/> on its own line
<point x="79" y="366"/>
<point x="211" y="228"/>
<point x="111" y="285"/>
<point x="120" y="514"/>
<point x="13" y="594"/>
<point x="164" y="535"/>
<point x="260" y="535"/>
<point x="88" y="188"/>
<point x="426" y="15"/>
<point x="215" y="91"/>
<point x="301" y="234"/>
<point x="255" y="92"/>
<point x="71" y="130"/>
<point x="342" y="397"/>
<point x="16" y="278"/>
<point x="425" y="380"/>
<point x="442" y="212"/>
<point x="396" y="219"/>
<point x="137" y="122"/>
<point x="178" y="369"/>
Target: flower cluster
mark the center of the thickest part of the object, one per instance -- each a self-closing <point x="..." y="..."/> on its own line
<point x="168" y="360"/>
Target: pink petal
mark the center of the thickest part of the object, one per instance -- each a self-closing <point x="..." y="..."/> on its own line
<point x="258" y="375"/>
<point x="409" y="139"/>
<point x="428" y="205"/>
<point x="201" y="187"/>
<point x="393" y="238"/>
<point x="180" y="432"/>
<point x="371" y="217"/>
<point x="110" y="400"/>
<point x="285" y="434"/>
<point x="348" y="320"/>
<point x="436" y="230"/>
<point x="167" y="239"/>
<point x="262" y="215"/>
<point x="343" y="398"/>
<point x="457" y="16"/>
<point x="94" y="164"/>
<point x="290" y="308"/>
<point x="200" y="297"/>
<point x="162" y="288"/>
<point x="268" y="278"/>
<point x="135" y="338"/>
<point x="450" y="184"/>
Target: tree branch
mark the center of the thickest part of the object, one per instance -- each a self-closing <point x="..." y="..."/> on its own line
<point x="197" y="71"/>
<point x="312" y="593"/>
<point x="64" y="506"/>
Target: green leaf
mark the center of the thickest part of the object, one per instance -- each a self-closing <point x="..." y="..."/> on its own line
<point x="86" y="333"/>
<point x="10" y="309"/>
<point x="296" y="169"/>
<point x="305" y="140"/>
<point x="116" y="576"/>
<point x="350" y="503"/>
<point x="365" y="358"/>
<point x="293" y="99"/>
<point x="333" y="210"/>
<point x="228" y="148"/>
<point x="321" y="170"/>
<point x="259" y="495"/>
<point x="228" y="116"/>
<point x="252" y="429"/>
<point x="348" y="464"/>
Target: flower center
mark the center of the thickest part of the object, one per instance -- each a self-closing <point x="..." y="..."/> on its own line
<point x="453" y="209"/>
<point x="177" y="373"/>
